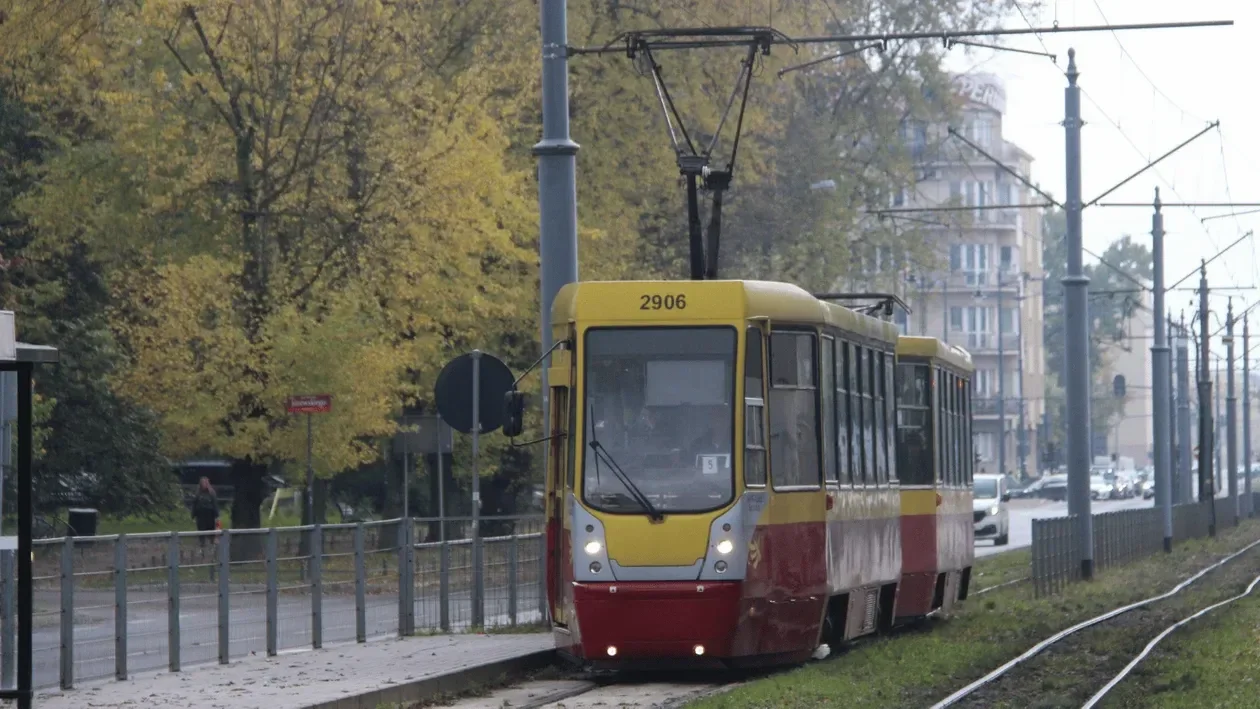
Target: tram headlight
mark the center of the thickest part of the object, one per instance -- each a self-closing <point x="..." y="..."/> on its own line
<point x="725" y="546"/>
<point x="592" y="547"/>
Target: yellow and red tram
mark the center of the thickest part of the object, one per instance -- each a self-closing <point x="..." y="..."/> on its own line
<point x="722" y="480"/>
<point x="935" y="465"/>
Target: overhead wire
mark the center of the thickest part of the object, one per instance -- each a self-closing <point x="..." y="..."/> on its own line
<point x="1127" y="55"/>
<point x="1171" y="186"/>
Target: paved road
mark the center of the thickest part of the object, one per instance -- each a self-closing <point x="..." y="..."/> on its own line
<point x="1023" y="512"/>
<point x="147" y="641"/>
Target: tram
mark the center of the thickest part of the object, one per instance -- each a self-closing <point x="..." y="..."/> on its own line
<point x="722" y="479"/>
<point x="935" y="466"/>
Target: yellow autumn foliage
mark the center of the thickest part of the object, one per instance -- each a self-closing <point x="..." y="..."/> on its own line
<point x="337" y="196"/>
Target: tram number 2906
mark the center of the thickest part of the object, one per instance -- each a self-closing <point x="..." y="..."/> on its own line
<point x="663" y="302"/>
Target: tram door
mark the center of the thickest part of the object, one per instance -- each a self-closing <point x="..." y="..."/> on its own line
<point x="559" y="487"/>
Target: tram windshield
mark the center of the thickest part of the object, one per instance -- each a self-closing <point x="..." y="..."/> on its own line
<point x="659" y="406"/>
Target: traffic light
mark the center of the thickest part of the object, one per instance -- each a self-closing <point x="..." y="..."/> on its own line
<point x="1118" y="386"/>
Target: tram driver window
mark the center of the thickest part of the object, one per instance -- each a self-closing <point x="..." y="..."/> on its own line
<point x="658" y="407"/>
<point x="793" y="411"/>
<point x="914" y="425"/>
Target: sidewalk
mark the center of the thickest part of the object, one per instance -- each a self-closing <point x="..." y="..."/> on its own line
<point x="340" y="677"/>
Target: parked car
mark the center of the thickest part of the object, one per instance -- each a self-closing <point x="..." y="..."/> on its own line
<point x="992" y="519"/>
<point x="1148" y="489"/>
<point x="1052" y="487"/>
<point x="1100" y="489"/>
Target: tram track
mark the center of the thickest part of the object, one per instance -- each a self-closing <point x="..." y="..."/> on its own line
<point x="1092" y="648"/>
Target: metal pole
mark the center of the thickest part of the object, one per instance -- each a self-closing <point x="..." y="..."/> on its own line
<point x="444" y="551"/>
<point x="406" y="480"/>
<point x="1161" y="419"/>
<point x="478" y="618"/>
<point x="1076" y="356"/>
<point x="1185" y="452"/>
<point x="1207" y="491"/>
<point x="8" y="622"/>
<point x="1023" y="425"/>
<point x="557" y="173"/>
<point x="1216" y="431"/>
<point x="120" y="607"/>
<point x="1174" y="475"/>
<point x="1001" y="382"/>
<point x="26" y="599"/>
<point x="310" y="474"/>
<point x="1231" y="414"/>
<point x="1246" y="419"/>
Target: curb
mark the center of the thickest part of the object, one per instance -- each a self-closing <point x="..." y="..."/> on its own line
<point x="429" y="688"/>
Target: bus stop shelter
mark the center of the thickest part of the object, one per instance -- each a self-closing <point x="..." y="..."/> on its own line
<point x="22" y="358"/>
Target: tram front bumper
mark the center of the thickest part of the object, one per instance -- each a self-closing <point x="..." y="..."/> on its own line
<point x="652" y="620"/>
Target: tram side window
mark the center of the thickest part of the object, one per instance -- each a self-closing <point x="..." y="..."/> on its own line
<point x="754" y="411"/>
<point x="890" y="414"/>
<point x="868" y="423"/>
<point x="827" y="396"/>
<point x="955" y="469"/>
<point x="947" y="430"/>
<point x="877" y="397"/>
<point x="856" y="431"/>
<point x="914" y="425"/>
<point x="844" y="464"/>
<point x="969" y="454"/>
<point x="793" y="411"/>
<point x="938" y="407"/>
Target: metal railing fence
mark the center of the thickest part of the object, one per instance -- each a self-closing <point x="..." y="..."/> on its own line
<point x="113" y="605"/>
<point x="1119" y="538"/>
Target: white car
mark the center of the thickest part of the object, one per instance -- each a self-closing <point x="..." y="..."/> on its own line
<point x="1100" y="489"/>
<point x="989" y="498"/>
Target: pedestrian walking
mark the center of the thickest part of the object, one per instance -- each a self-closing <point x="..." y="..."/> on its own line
<point x="205" y="510"/>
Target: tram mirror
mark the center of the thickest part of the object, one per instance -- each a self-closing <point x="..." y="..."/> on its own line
<point x="513" y="413"/>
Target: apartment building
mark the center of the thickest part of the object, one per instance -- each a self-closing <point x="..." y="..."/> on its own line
<point x="978" y="282"/>
<point x="1130" y="433"/>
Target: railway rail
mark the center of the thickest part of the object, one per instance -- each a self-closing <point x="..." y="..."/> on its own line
<point x="991" y="678"/>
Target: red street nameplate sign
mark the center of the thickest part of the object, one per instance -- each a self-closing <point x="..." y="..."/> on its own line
<point x="310" y="404"/>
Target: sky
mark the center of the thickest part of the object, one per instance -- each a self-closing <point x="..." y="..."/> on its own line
<point x="1144" y="92"/>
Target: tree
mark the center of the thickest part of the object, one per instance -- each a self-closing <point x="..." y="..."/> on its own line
<point x="276" y="184"/>
<point x="1113" y="301"/>
<point x="93" y="448"/>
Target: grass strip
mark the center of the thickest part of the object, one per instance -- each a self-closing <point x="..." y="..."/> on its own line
<point x="915" y="668"/>
<point x="1210" y="662"/>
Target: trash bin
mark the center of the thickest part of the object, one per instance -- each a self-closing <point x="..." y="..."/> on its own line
<point x="82" y="522"/>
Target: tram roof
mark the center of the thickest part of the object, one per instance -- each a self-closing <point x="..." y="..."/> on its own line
<point x="932" y="348"/>
<point x="617" y="301"/>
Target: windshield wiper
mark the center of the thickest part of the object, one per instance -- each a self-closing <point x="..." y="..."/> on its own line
<point x="635" y="492"/>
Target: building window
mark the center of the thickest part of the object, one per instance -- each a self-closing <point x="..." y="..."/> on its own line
<point x="1010" y="321"/>
<point x="955" y="191"/>
<point x="1007" y="259"/>
<point x="986" y="446"/>
<point x="975" y="263"/>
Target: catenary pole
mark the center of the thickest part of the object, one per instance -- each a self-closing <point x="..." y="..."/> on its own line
<point x="1207" y="485"/>
<point x="1076" y="356"/>
<point x="557" y="174"/>
<point x="1162" y="432"/>
<point x="1001" y="336"/>
<point x="1231" y="415"/>
<point x="1249" y="504"/>
<point x="1186" y="451"/>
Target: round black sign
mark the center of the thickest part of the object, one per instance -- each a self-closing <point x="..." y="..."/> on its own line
<point x="453" y="392"/>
